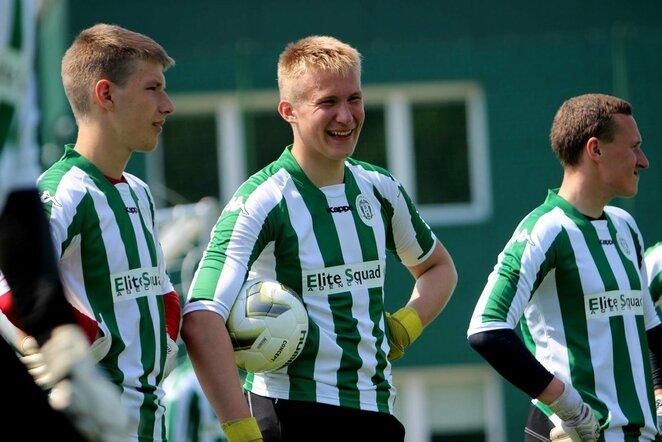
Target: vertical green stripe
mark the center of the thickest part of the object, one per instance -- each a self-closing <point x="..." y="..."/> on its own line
<point x="16" y="41"/>
<point x="571" y="301"/>
<point x="6" y="119"/>
<point x="370" y="252"/>
<point x="345" y="326"/>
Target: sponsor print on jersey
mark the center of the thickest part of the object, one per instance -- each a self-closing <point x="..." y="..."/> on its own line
<point x="365" y="210"/>
<point x="136" y="283"/>
<point x="343" y="278"/>
<point x="614" y="303"/>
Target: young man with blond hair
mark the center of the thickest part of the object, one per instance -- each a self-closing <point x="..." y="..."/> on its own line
<point x="316" y="210"/>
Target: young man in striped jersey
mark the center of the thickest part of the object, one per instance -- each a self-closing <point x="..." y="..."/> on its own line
<point x="102" y="218"/>
<point x="91" y="404"/>
<point x="573" y="274"/>
<point x="321" y="223"/>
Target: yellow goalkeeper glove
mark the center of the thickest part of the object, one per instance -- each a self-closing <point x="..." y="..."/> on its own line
<point x="404" y="328"/>
<point x="242" y="430"/>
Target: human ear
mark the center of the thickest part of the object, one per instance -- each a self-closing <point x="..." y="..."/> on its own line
<point x="102" y="94"/>
<point x="286" y="110"/>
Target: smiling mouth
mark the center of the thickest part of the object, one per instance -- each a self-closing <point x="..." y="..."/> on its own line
<point x="340" y="133"/>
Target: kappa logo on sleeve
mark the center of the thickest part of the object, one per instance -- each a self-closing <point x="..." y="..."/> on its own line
<point x="46" y="197"/>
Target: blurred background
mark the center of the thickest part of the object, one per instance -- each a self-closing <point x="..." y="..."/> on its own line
<point x="459" y="100"/>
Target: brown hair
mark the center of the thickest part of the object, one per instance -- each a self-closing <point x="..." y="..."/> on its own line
<point x="317" y="53"/>
<point x="105" y="51"/>
<point x="581" y="118"/>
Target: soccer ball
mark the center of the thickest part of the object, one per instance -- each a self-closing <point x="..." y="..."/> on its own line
<point x="268" y="325"/>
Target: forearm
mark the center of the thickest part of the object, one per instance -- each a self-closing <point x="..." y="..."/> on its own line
<point x="210" y="349"/>
<point x="435" y="282"/>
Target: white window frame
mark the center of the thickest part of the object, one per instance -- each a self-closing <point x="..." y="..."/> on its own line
<point x="397" y="100"/>
<point x="415" y="386"/>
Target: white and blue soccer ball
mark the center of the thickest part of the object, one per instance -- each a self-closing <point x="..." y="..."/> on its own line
<point x="268" y="325"/>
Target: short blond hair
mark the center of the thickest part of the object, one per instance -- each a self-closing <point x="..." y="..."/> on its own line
<point x="315" y="53"/>
<point x="109" y="52"/>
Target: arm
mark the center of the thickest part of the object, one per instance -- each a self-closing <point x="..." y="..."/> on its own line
<point x="210" y="349"/>
<point x="436" y="278"/>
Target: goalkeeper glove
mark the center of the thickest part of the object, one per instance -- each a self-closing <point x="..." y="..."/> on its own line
<point x="242" y="430"/>
<point x="404" y="328"/>
<point x="578" y="421"/>
<point x="81" y="392"/>
<point x="171" y="357"/>
<point x="34" y="362"/>
<point x="658" y="408"/>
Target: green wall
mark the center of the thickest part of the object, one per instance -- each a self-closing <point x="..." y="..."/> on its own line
<point x="528" y="57"/>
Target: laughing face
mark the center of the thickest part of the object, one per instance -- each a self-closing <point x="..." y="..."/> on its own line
<point x="328" y="117"/>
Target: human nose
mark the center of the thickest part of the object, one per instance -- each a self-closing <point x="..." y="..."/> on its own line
<point x="167" y="106"/>
<point x="345" y="114"/>
<point x="642" y="161"/>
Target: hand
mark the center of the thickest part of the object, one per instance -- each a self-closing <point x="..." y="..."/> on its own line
<point x="171" y="357"/>
<point x="81" y="392"/>
<point x="658" y="408"/>
<point x="404" y="327"/>
<point x="242" y="430"/>
<point x="34" y="362"/>
<point x="578" y="421"/>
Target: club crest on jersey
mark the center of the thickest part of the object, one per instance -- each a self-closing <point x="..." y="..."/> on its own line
<point x="623" y="245"/>
<point x="365" y="210"/>
<point x="46" y="197"/>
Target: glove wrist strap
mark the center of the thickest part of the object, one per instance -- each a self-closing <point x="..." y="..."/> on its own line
<point x="568" y="405"/>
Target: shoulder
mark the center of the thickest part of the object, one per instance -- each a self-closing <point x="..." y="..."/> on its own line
<point x="620" y="217"/>
<point x="368" y="170"/>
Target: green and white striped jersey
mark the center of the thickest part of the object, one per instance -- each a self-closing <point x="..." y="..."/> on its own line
<point x="579" y="288"/>
<point x="653" y="260"/>
<point x="113" y="270"/>
<point x="330" y="246"/>
<point x="19" y="162"/>
<point x="189" y="415"/>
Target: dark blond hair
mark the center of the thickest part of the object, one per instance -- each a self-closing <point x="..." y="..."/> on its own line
<point x="315" y="53"/>
<point x="109" y="52"/>
<point x="581" y="118"/>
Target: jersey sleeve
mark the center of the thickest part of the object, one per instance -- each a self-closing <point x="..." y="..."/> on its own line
<point x="526" y="259"/>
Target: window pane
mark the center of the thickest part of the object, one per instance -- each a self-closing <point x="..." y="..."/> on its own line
<point x="441" y="153"/>
<point x="372" y="141"/>
<point x="190" y="160"/>
<point x="267" y="134"/>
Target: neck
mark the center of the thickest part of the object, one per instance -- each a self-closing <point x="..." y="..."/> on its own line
<point x="320" y="170"/>
<point x="583" y="193"/>
<point x="111" y="159"/>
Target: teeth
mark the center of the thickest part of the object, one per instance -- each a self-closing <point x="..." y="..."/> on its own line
<point x="340" y="133"/>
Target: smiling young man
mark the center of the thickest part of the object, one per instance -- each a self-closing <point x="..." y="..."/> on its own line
<point x="573" y="273"/>
<point x="102" y="218"/>
<point x="282" y="224"/>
